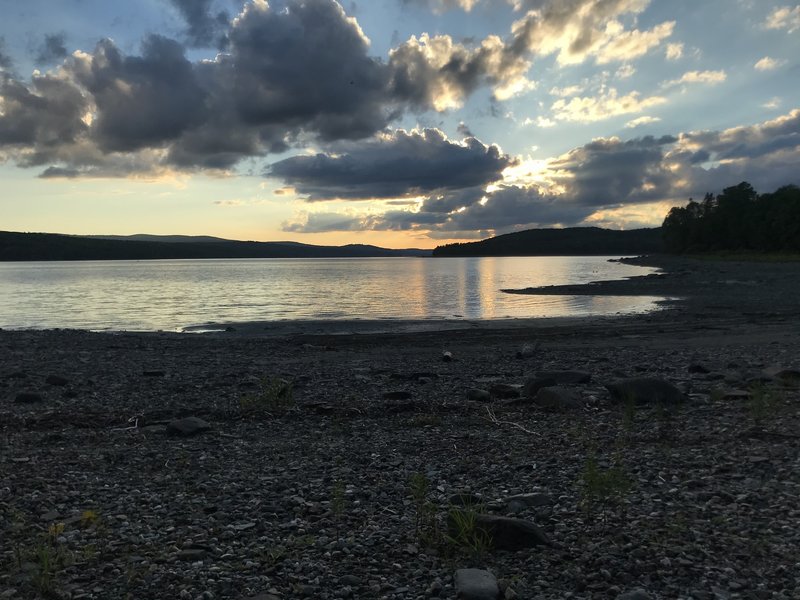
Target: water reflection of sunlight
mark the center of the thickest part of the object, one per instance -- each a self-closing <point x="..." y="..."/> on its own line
<point x="152" y="295"/>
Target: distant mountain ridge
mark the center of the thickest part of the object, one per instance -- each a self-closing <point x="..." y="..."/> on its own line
<point x="16" y="246"/>
<point x="148" y="237"/>
<point x="571" y="241"/>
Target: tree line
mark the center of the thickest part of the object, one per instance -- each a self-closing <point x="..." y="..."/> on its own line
<point x="738" y="219"/>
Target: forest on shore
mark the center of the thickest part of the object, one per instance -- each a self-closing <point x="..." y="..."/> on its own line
<point x="737" y="220"/>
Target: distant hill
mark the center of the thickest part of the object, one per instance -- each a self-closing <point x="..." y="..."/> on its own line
<point x="572" y="241"/>
<point x="53" y="246"/>
<point x="147" y="237"/>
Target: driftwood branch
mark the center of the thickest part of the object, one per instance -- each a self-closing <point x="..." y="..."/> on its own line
<point x="493" y="419"/>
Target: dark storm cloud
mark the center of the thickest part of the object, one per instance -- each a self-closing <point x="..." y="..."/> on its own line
<point x="305" y="68"/>
<point x="205" y="27"/>
<point x="394" y="165"/>
<point x="288" y="76"/>
<point x="52" y="49"/>
<point x="43" y="116"/>
<point x="610" y="171"/>
<point x="142" y="101"/>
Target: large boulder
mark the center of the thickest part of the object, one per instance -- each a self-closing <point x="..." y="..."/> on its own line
<point x="645" y="390"/>
<point x="534" y="384"/>
<point x="507" y="533"/>
<point x="476" y="584"/>
<point x="558" y="398"/>
<point x="503" y="391"/>
<point x="569" y="377"/>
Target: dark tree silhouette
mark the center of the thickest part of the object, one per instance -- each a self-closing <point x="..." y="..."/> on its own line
<point x="738" y="219"/>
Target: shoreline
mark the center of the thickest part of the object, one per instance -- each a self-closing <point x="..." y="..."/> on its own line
<point x="342" y="488"/>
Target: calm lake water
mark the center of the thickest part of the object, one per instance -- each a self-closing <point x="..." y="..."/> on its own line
<point x="173" y="294"/>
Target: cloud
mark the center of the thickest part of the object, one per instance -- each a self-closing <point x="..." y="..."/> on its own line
<point x="642" y="121"/>
<point x="5" y="60"/>
<point x="52" y="49"/>
<point x="566" y="92"/>
<point x="625" y="72"/>
<point x="434" y="71"/>
<point x="575" y="30"/>
<point x="628" y="45"/>
<point x="710" y="77"/>
<point x="141" y="101"/>
<point x="319" y="222"/>
<point x="785" y="17"/>
<point x="607" y="181"/>
<point x="772" y="103"/>
<point x="674" y="51"/>
<point x="204" y="27"/>
<point x="40" y="118"/>
<point x="399" y="164"/>
<point x="768" y="64"/>
<point x="604" y="106"/>
<point x="440" y="6"/>
<point x="288" y="75"/>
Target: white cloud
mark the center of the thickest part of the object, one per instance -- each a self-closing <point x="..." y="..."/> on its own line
<point x="606" y="105"/>
<point x="575" y="30"/>
<point x="772" y="103"/>
<point x="625" y="71"/>
<point x="784" y="17"/>
<point x="565" y="92"/>
<point x="711" y="77"/>
<point x="674" y="51"/>
<point x="768" y="64"/>
<point x="641" y="121"/>
<point x="627" y="45"/>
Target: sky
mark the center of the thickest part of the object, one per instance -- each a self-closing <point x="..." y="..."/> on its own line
<point x="401" y="123"/>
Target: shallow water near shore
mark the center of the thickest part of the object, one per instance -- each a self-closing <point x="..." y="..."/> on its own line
<point x="173" y="295"/>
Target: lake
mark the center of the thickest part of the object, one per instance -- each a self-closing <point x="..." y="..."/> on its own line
<point x="173" y="294"/>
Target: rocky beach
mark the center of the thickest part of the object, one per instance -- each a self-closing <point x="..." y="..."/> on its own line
<point x="632" y="457"/>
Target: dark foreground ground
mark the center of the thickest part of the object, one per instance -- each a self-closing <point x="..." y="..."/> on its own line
<point x="342" y="489"/>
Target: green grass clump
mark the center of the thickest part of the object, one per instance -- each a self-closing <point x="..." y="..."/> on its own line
<point x="274" y="396"/>
<point x="763" y="403"/>
<point x="465" y="535"/>
<point x="602" y="488"/>
<point x="426" y="523"/>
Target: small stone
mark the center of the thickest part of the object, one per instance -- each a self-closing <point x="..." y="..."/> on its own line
<point x="56" y="380"/>
<point x="531" y="500"/>
<point x="191" y="554"/>
<point x="28" y="398"/>
<point x="397" y="395"/>
<point x="638" y="594"/>
<point x="476" y="584"/>
<point x="504" y="391"/>
<point x="447" y="356"/>
<point x="464" y="499"/>
<point x="154" y="373"/>
<point x="188" y="427"/>
<point x="478" y="395"/>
